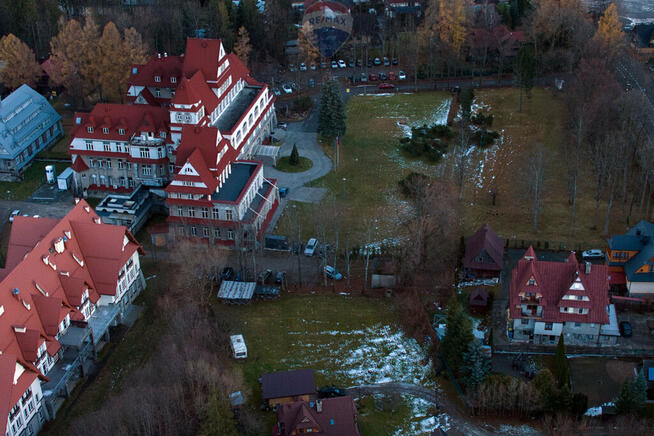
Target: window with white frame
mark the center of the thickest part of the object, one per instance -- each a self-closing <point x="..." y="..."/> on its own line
<point x="89" y="145"/>
<point x="106" y="146"/>
<point x="205" y="232"/>
<point x="215" y="213"/>
<point x="121" y="131"/>
<point x="105" y="130"/>
<point x="146" y="170"/>
<point x="205" y="212"/>
<point x="157" y="78"/>
<point x="144" y="152"/>
<point x="229" y="215"/>
<point x="180" y="211"/>
<point x="89" y="129"/>
<point x="191" y="211"/>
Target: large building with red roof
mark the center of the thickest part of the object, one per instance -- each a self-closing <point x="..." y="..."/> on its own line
<point x="549" y="299"/>
<point x="194" y="125"/>
<point x="66" y="282"/>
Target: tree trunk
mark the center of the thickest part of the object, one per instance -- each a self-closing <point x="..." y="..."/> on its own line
<point x="642" y="195"/>
<point x="520" y="109"/>
<point x="574" y="200"/>
<point x="608" y="210"/>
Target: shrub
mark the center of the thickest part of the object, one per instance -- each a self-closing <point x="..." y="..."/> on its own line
<point x="294" y="158"/>
<point x="302" y="104"/>
<point x="484" y="138"/>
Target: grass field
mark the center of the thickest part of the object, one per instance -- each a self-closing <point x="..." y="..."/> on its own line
<point x="362" y="190"/>
<point x="600" y="378"/>
<point x="284" y="164"/>
<point x="34" y="177"/>
<point x="346" y="340"/>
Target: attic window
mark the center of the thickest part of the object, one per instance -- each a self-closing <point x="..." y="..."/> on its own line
<point x="105" y="130"/>
<point x="173" y="79"/>
<point x="78" y="260"/>
<point x="162" y="134"/>
<point x="157" y="78"/>
<point x="67" y="234"/>
<point x="532" y="281"/>
<point x="20" y="328"/>
<point x="87" y="209"/>
<point x="78" y="120"/>
<point x="64" y="273"/>
<point x="135" y="70"/>
<point x="40" y="289"/>
<point x="97" y="220"/>
<point x="89" y="129"/>
<point x="121" y="131"/>
<point x="26" y="304"/>
<point x="2" y="309"/>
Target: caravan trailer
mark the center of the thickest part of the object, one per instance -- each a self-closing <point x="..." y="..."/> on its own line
<point x="239" y="349"/>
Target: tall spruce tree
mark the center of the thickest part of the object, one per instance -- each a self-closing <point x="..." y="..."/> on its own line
<point x="476" y="365"/>
<point x="294" y="159"/>
<point x="331" y="119"/>
<point x="561" y="371"/>
<point x="458" y="334"/>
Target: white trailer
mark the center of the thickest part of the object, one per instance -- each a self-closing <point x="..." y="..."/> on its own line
<point x="239" y="350"/>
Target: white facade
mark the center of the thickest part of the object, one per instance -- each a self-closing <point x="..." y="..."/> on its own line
<point x="27" y="415"/>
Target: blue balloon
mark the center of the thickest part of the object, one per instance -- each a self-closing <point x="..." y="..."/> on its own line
<point x="327" y="25"/>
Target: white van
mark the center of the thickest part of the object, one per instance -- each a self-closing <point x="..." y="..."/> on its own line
<point x="239" y="349"/>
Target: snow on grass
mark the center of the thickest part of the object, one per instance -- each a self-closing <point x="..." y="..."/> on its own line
<point x="423" y="419"/>
<point x="377" y="354"/>
<point x="517" y="430"/>
<point x="597" y="411"/>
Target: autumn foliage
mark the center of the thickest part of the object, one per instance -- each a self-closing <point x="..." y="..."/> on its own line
<point x="20" y="66"/>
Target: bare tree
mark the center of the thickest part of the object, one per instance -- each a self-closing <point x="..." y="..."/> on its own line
<point x="535" y="178"/>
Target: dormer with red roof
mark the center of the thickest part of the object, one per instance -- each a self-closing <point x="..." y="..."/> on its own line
<point x="548" y="299"/>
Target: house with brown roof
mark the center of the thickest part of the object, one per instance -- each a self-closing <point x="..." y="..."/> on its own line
<point x="328" y="417"/>
<point x="484" y="254"/>
<point x="550" y="299"/>
<point x="65" y="284"/>
<point x="287" y="386"/>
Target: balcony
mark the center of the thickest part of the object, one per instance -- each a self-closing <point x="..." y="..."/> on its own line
<point x="531" y="311"/>
<point x="147" y="142"/>
<point x="530" y="300"/>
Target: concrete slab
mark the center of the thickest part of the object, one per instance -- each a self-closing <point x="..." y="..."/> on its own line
<point x="305" y="194"/>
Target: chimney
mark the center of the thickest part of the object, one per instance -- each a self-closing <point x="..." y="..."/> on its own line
<point x="59" y="245"/>
<point x="76" y="200"/>
<point x="319" y="406"/>
<point x="165" y="54"/>
<point x="159" y="55"/>
<point x="588" y="267"/>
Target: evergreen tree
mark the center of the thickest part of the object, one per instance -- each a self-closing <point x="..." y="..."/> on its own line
<point x="331" y="119"/>
<point x="458" y="334"/>
<point x="633" y="395"/>
<point x="294" y="159"/>
<point x="476" y="366"/>
<point x="524" y="71"/>
<point x="561" y="370"/>
<point x="465" y="100"/>
<point x="579" y="404"/>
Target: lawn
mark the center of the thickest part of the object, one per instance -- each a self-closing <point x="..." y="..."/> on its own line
<point x="346" y="340"/>
<point x="284" y="164"/>
<point x="362" y="189"/>
<point x="599" y="378"/>
<point x="34" y="176"/>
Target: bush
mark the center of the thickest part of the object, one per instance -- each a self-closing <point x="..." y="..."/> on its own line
<point x="482" y="120"/>
<point x="302" y="104"/>
<point x="294" y="158"/>
<point x="579" y="404"/>
<point x="427" y="142"/>
<point x="413" y="179"/>
<point x="484" y="138"/>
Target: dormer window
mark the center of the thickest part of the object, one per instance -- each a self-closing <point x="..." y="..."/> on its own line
<point x="89" y="129"/>
<point x="173" y="79"/>
<point x="532" y="282"/>
<point x="157" y="78"/>
<point x="162" y="134"/>
<point x="105" y="130"/>
<point x="121" y="131"/>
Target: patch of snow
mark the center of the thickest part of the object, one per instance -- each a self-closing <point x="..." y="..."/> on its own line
<point x="517" y="430"/>
<point x="597" y="411"/>
<point x="423" y="421"/>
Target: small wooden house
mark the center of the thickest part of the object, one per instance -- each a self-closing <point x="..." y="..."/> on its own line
<point x="288" y="386"/>
<point x="484" y="255"/>
<point x="478" y="298"/>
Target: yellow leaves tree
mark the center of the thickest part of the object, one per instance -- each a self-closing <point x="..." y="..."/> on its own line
<point x="111" y="64"/>
<point x="452" y="24"/>
<point x="20" y="65"/>
<point x="609" y="31"/>
<point x="242" y="48"/>
<point x="309" y="52"/>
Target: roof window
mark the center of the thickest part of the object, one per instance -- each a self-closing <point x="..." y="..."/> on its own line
<point x="105" y="130"/>
<point x="157" y="78"/>
<point x="89" y="129"/>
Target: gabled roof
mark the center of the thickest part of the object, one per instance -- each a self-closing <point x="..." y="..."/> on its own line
<point x="202" y="55"/>
<point x="484" y="240"/>
<point x="158" y="65"/>
<point x="26" y="232"/>
<point x="553" y="281"/>
<point x="337" y="417"/>
<point x="131" y="118"/>
<point x="195" y="90"/>
<point x="287" y="384"/>
<point x="639" y="238"/>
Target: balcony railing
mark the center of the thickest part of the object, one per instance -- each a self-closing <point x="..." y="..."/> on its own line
<point x="532" y="311"/>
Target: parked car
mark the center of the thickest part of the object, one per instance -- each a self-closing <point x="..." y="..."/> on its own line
<point x="312" y="83"/>
<point x="292" y="68"/>
<point x="287" y="88"/>
<point x="279" y="277"/>
<point x="331" y="272"/>
<point x="13" y="215"/>
<point x="303" y="66"/>
<point x="359" y="63"/>
<point x="313" y="67"/>
<point x="382" y="76"/>
<point x="334" y="64"/>
<point x="392" y="76"/>
<point x="386" y="86"/>
<point x="350" y="63"/>
<point x="625" y="329"/>
<point x="331" y="392"/>
<point x="277" y="91"/>
<point x="386" y="61"/>
<point x="401" y="75"/>
<point x="341" y="63"/>
<point x="364" y="77"/>
<point x="369" y="63"/>
<point x="592" y="254"/>
<point x="377" y="61"/>
<point x="228" y="273"/>
<point x="323" y="65"/>
<point x="373" y="77"/>
<point x="394" y="61"/>
<point x="283" y="192"/>
<point x="310" y="248"/>
<point x="282" y="125"/>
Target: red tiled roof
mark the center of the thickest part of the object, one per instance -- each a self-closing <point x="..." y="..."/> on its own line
<point x="338" y="417"/>
<point x="26" y="232"/>
<point x="484" y="240"/>
<point x="164" y="67"/>
<point x="37" y="296"/>
<point x="202" y="55"/>
<point x="133" y="118"/>
<point x="79" y="166"/>
<point x="29" y="342"/>
<point x="194" y="90"/>
<point x="553" y="280"/>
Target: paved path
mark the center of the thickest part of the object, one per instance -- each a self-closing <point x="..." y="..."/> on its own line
<point x="303" y="134"/>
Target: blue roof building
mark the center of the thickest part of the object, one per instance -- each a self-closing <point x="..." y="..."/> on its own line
<point x="633" y="253"/>
<point x="28" y="124"/>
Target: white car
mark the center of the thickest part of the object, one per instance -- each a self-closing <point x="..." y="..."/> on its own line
<point x="13" y="215"/>
<point x="287" y="89"/>
<point x="401" y="75"/>
<point x="592" y="254"/>
<point x="303" y="66"/>
<point x="239" y="349"/>
<point x="310" y="248"/>
<point x="334" y="64"/>
<point x="313" y="67"/>
<point x="342" y="64"/>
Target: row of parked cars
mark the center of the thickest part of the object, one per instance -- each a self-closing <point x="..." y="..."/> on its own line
<point x="351" y="63"/>
<point x="311" y="248"/>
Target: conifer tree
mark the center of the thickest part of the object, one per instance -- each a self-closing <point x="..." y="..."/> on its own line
<point x="476" y="366"/>
<point x="331" y="119"/>
<point x="561" y="370"/>
<point x="458" y="334"/>
<point x="294" y="159"/>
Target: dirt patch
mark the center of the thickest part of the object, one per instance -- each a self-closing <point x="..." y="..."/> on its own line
<point x="599" y="378"/>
